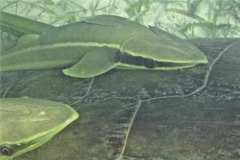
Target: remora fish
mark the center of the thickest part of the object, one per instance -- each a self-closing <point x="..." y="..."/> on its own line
<point x="98" y="44"/>
<point x="27" y="123"/>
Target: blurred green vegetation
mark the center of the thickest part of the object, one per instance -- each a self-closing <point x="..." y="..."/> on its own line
<point x="185" y="18"/>
<point x="218" y="22"/>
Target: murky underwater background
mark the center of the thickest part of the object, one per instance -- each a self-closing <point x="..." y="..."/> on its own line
<point x="189" y="114"/>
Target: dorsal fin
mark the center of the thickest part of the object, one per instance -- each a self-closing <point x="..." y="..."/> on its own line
<point x="163" y="33"/>
<point x="106" y="20"/>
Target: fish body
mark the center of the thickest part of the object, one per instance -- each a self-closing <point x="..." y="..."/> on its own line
<point x="100" y="43"/>
<point x="27" y="123"/>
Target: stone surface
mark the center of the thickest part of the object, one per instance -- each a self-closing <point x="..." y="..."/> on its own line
<point x="154" y="115"/>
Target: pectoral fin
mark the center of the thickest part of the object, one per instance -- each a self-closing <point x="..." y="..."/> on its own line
<point x="94" y="63"/>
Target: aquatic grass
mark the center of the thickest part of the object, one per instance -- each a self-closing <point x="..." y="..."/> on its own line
<point x="40" y="5"/>
<point x="193" y="6"/>
<point x="51" y="9"/>
<point x="137" y="9"/>
<point x="112" y="6"/>
<point x="94" y="7"/>
<point x="211" y="26"/>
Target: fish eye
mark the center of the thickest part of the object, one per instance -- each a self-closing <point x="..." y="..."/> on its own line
<point x="5" y="151"/>
<point x="149" y="63"/>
